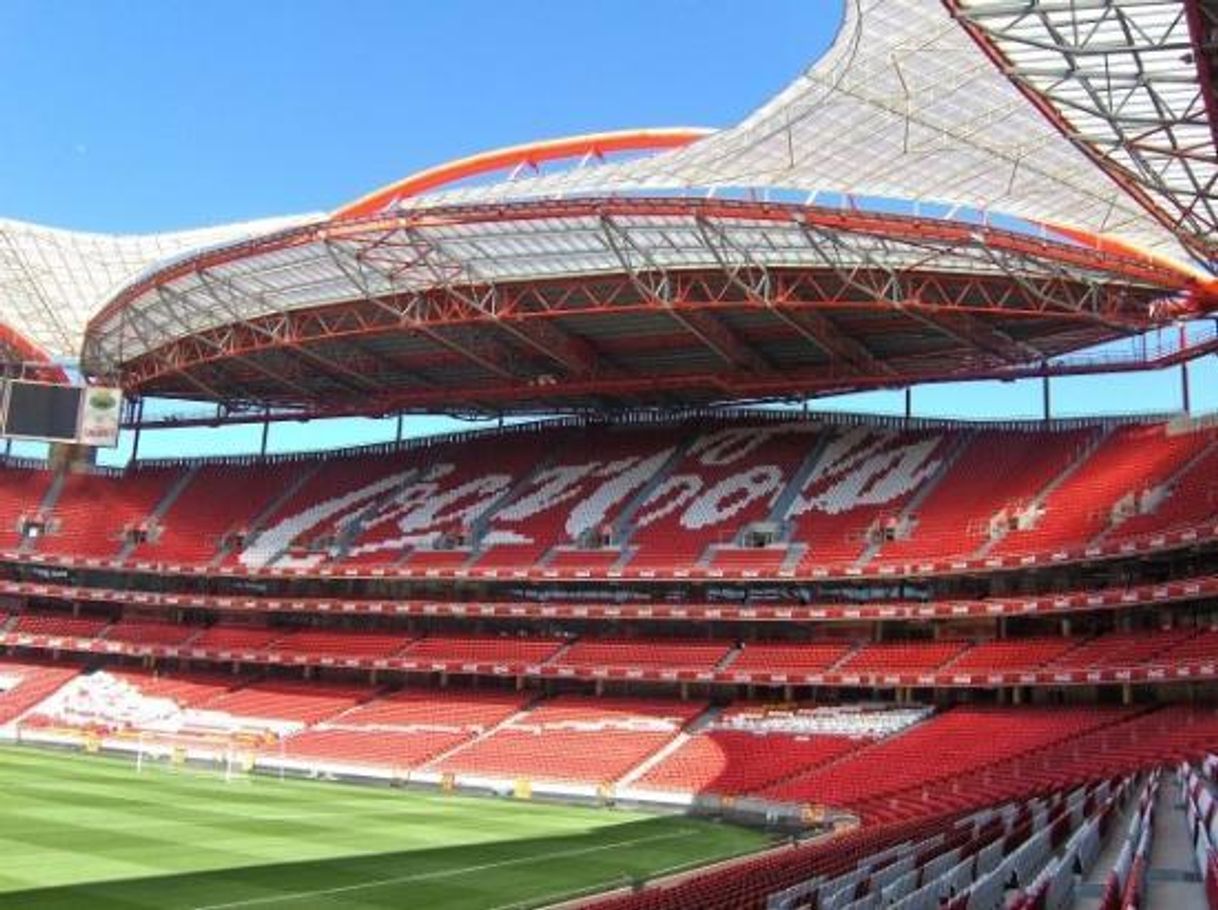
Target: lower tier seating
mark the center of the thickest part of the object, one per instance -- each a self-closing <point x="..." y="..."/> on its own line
<point x="736" y="762"/>
<point x="382" y="748"/>
<point x="23" y="684"/>
<point x="575" y="739"/>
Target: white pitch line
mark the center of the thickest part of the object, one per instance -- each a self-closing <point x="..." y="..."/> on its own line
<point x="446" y="873"/>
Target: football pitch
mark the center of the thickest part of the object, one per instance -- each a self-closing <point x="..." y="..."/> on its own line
<point x="84" y="831"/>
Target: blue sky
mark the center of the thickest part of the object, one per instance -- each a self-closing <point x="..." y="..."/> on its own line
<point x="145" y="116"/>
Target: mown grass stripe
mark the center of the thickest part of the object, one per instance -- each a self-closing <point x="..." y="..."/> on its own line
<point x="88" y="831"/>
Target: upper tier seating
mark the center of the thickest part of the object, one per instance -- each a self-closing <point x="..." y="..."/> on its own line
<point x="21" y="494"/>
<point x="455" y="487"/>
<point x="727" y="479"/>
<point x="94" y="510"/>
<point x="219" y="500"/>
<point x="582" y="492"/>
<point x="862" y="476"/>
<point x="1191" y="500"/>
<point x="335" y="492"/>
<point x="1131" y="460"/>
<point x="650" y="499"/>
<point x="998" y="470"/>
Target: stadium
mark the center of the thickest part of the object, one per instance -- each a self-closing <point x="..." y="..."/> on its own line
<point x="655" y="631"/>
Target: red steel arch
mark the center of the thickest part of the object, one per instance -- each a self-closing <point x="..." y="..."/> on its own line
<point x="529" y="154"/>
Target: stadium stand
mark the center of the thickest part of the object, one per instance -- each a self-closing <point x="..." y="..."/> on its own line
<point x="22" y="491"/>
<point x="739" y="498"/>
<point x="1131" y="461"/>
<point x="24" y="684"/>
<point x="94" y="512"/>
<point x="575" y="738"/>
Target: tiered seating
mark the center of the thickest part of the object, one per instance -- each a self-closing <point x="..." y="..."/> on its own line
<point x="339" y="644"/>
<point x="302" y="702"/>
<point x="189" y="690"/>
<point x="1011" y="654"/>
<point x="814" y="657"/>
<point x="406" y="729"/>
<point x="337" y="492"/>
<point x="574" y="738"/>
<point x="735" y="762"/>
<point x="220" y="499"/>
<point x="963" y="742"/>
<point x="576" y="560"/>
<point x="1196" y="649"/>
<point x="380" y="748"/>
<point x="1124" y="649"/>
<point x="23" y="684"/>
<point x="150" y="633"/>
<point x="584" y="490"/>
<point x="94" y="510"/>
<point x="21" y="493"/>
<point x="236" y="638"/>
<point x="484" y="649"/>
<point x="1131" y="460"/>
<point x="671" y="655"/>
<point x="902" y="657"/>
<point x="729" y="478"/>
<point x="998" y="470"/>
<point x="477" y="709"/>
<point x="429" y="508"/>
<point x="862" y="476"/>
<point x="456" y="488"/>
<point x="60" y="625"/>
<point x="1192" y="499"/>
<point x="746" y="559"/>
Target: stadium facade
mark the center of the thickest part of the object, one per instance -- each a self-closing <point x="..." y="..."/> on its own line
<point x="648" y="597"/>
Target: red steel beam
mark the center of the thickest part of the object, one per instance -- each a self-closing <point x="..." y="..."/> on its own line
<point x="735" y="385"/>
<point x="530" y="154"/>
<point x="1202" y="28"/>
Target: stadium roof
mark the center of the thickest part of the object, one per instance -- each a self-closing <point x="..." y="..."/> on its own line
<point x="906" y="106"/>
<point x="843" y="235"/>
<point x="53" y="281"/>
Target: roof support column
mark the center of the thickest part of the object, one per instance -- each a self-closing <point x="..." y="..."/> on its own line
<point x="1185" y="397"/>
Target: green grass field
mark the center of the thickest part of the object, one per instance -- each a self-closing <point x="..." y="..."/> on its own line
<point x="83" y="831"/>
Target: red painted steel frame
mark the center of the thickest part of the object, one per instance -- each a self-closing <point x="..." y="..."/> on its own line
<point x="530" y="154"/>
<point x="795" y="291"/>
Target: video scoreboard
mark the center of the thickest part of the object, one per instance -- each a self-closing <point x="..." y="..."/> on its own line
<point x="45" y="412"/>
